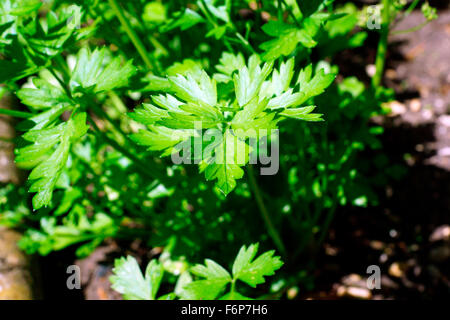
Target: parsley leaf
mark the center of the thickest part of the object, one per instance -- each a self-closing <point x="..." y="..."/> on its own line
<point x="95" y="72"/>
<point x="44" y="95"/>
<point x="287" y="39"/>
<point x="48" y="155"/>
<point x="252" y="271"/>
<point x="129" y="281"/>
<point x="216" y="278"/>
<point x="311" y="6"/>
<point x="263" y="96"/>
<point x="225" y="165"/>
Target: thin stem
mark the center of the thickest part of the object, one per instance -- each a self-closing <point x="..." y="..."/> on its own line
<point x="133" y="37"/>
<point x="62" y="83"/>
<point x="17" y="114"/>
<point x="246" y="44"/>
<point x="289" y="10"/>
<point x="413" y="29"/>
<point x="233" y="286"/>
<point x="204" y="9"/>
<point x="117" y="102"/>
<point x="264" y="212"/>
<point x="411" y="8"/>
<point x="383" y="44"/>
<point x="63" y="65"/>
<point x="280" y="11"/>
<point x="326" y="225"/>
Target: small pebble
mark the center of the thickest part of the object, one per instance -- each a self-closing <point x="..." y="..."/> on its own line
<point x="395" y="270"/>
<point x="440" y="233"/>
<point x="415" y="105"/>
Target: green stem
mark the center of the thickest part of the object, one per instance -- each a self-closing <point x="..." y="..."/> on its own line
<point x="63" y="65"/>
<point x="289" y="10"/>
<point x="411" y="8"/>
<point x="326" y="225"/>
<point x="413" y="29"/>
<point x="233" y="286"/>
<point x="117" y="102"/>
<point x="133" y="36"/>
<point x="204" y="9"/>
<point x="280" y="11"/>
<point x="383" y="44"/>
<point x="273" y="233"/>
<point x="17" y="114"/>
<point x="246" y="44"/>
<point x="62" y="83"/>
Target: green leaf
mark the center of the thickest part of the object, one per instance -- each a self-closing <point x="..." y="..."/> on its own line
<point x="154" y="12"/>
<point x="155" y="83"/>
<point x="309" y="87"/>
<point x="70" y="196"/>
<point x="49" y="37"/>
<point x="281" y="80"/>
<point x="24" y="7"/>
<point x="188" y="66"/>
<point x="234" y="296"/>
<point x="148" y="114"/>
<point x="154" y="274"/>
<point x="248" y="81"/>
<point x="244" y="258"/>
<point x="76" y="227"/>
<point x="178" y="122"/>
<point x="217" y="32"/>
<point x="44" y="95"/>
<point x="211" y="270"/>
<point x="286" y="100"/>
<point x="225" y="165"/>
<point x="346" y="23"/>
<point x="216" y="279"/>
<point x="45" y="118"/>
<point x="129" y="281"/>
<point x="303" y="114"/>
<point x="252" y="271"/>
<point x="161" y="139"/>
<point x="251" y="119"/>
<point x="229" y="63"/>
<point x="190" y="90"/>
<point x="18" y="62"/>
<point x="220" y="12"/>
<point x="315" y="86"/>
<point x="312" y="6"/>
<point x="95" y="72"/>
<point x="287" y="39"/>
<point x="184" y="20"/>
<point x="203" y="289"/>
<point x="169" y="296"/>
<point x="48" y="155"/>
